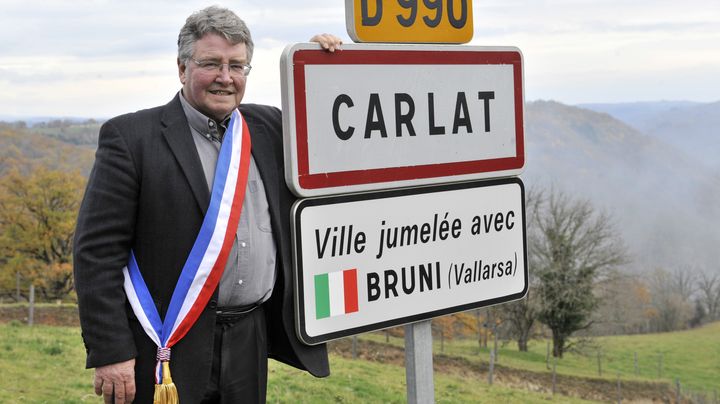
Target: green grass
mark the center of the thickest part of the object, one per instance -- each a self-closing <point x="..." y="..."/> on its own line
<point x="358" y="381"/>
<point x="692" y="357"/>
<point x="44" y="364"/>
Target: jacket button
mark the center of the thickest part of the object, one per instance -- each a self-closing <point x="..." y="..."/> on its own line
<point x="212" y="305"/>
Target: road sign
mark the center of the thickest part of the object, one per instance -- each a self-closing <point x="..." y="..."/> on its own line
<point x="409" y="21"/>
<point x="374" y="117"/>
<point x="369" y="261"/>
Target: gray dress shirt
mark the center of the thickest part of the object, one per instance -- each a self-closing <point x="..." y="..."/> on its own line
<point x="249" y="275"/>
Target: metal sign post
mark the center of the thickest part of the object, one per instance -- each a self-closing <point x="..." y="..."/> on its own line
<point x="419" y="363"/>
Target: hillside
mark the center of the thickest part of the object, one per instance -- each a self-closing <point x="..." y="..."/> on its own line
<point x="23" y="148"/>
<point x="693" y="128"/>
<point x="661" y="198"/>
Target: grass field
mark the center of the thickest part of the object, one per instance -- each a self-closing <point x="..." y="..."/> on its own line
<point x="692" y="357"/>
<point x="44" y="364"/>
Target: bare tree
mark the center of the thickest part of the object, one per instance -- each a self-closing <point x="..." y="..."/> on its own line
<point x="571" y="248"/>
<point x="670" y="299"/>
<point x="520" y="316"/>
<point x="709" y="294"/>
<point x="625" y="307"/>
<point x="683" y="282"/>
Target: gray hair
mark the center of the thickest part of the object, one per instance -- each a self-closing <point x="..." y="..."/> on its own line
<point x="213" y="20"/>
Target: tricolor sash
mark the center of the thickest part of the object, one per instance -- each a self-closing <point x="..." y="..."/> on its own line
<point x="204" y="266"/>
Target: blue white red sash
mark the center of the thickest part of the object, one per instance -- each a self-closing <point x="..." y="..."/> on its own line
<point x="205" y="264"/>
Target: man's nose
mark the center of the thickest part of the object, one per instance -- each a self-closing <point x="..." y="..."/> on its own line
<point x="224" y="74"/>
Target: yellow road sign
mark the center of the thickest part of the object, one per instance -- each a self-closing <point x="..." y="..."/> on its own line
<point x="410" y="21"/>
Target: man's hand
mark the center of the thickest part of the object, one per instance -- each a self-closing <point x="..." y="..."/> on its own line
<point x="116" y="380"/>
<point x="329" y="42"/>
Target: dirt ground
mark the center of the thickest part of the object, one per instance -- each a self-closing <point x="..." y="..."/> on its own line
<point x="66" y="315"/>
<point x="585" y="388"/>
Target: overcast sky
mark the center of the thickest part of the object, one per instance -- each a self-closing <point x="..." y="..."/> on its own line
<point x="100" y="58"/>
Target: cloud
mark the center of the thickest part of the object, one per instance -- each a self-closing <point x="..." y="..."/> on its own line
<point x="56" y="53"/>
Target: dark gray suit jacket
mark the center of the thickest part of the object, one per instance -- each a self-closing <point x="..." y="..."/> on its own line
<point x="147" y="192"/>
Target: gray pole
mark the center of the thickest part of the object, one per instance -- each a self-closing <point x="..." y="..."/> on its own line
<point x="637" y="369"/>
<point x="554" y="375"/>
<point x="547" y="357"/>
<point x="491" y="368"/>
<point x="495" y="351"/>
<point x="31" y="306"/>
<point x="17" y="286"/>
<point x="354" y="346"/>
<point x="419" y="363"/>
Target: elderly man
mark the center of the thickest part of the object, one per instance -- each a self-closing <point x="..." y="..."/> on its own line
<point x="182" y="249"/>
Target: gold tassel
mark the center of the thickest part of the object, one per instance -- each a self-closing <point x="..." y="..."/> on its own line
<point x="166" y="393"/>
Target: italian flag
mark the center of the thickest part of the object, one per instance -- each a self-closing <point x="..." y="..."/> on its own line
<point x="336" y="293"/>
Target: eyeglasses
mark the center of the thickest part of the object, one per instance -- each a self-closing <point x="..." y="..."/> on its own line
<point x="213" y="66"/>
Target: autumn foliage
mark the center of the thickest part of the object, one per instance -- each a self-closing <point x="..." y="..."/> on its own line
<point x="37" y="221"/>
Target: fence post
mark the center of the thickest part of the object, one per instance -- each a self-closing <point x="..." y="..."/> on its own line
<point x="660" y="365"/>
<point x="17" y="286"/>
<point x="599" y="362"/>
<point x="354" y="346"/>
<point x="554" y="375"/>
<point x="495" y="341"/>
<point x="547" y="357"/>
<point x="619" y="389"/>
<point x="31" y="306"/>
<point x="678" y="397"/>
<point x="491" y="368"/>
<point x="637" y="370"/>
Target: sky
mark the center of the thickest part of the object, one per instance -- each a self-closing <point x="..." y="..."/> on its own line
<point x="101" y="58"/>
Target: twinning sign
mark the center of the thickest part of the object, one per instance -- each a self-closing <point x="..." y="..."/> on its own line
<point x="381" y="116"/>
<point x="419" y="125"/>
<point x="374" y="260"/>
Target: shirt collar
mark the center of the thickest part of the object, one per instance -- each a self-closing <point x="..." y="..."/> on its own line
<point x="207" y="127"/>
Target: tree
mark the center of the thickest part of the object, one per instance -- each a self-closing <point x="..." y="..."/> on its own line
<point x="671" y="293"/>
<point x="37" y="224"/>
<point x="571" y="248"/>
<point x="450" y="325"/>
<point x="709" y="289"/>
<point x="521" y="315"/>
<point x="625" y="308"/>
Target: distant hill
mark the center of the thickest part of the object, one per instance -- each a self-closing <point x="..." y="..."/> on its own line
<point x="22" y="147"/>
<point x="665" y="200"/>
<point x="666" y="203"/>
<point x="691" y="127"/>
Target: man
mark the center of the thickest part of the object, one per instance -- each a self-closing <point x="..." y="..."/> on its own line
<point x="150" y="193"/>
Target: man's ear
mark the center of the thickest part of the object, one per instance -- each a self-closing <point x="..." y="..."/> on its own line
<point x="181" y="70"/>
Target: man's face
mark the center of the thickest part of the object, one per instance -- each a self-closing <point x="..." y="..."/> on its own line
<point x="214" y="93"/>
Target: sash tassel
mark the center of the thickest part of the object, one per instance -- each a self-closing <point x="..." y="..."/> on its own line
<point x="166" y="392"/>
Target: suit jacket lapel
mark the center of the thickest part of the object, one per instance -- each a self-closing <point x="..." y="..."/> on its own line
<point x="262" y="151"/>
<point x="176" y="130"/>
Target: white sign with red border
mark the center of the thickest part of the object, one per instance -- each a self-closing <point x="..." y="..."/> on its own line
<point x="373" y="117"/>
